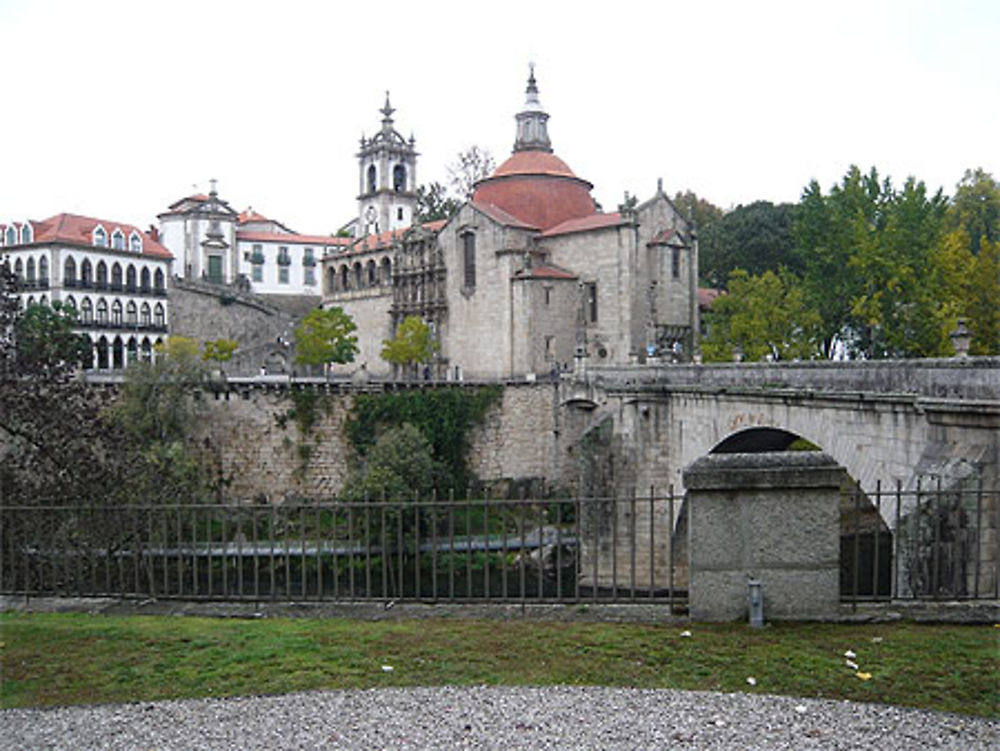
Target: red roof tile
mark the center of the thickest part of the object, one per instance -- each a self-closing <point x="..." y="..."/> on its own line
<point x="79" y="230"/>
<point x="501" y="216"/>
<point x="386" y="239"/>
<point x="584" y="224"/>
<point x="533" y="163"/>
<point x="546" y="272"/>
<point x="249" y="215"/>
<point x="707" y="296"/>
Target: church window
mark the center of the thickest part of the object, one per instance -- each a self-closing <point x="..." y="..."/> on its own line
<point x="102" y="353"/>
<point x="548" y="296"/>
<point x="43" y="271"/>
<point x="11" y="236"/>
<point x="102" y="312"/>
<point x="144" y="281"/>
<point x="69" y="272"/>
<point x="118" y="240"/>
<point x="144" y="315"/>
<point x="86" y="311"/>
<point x="29" y="274"/>
<point x="118" y="354"/>
<point x="158" y="280"/>
<point x="133" y="349"/>
<point x="469" y="259"/>
<point x="130" y="278"/>
<point x="675" y="263"/>
<point x="371" y="178"/>
<point x="282" y="275"/>
<point x="399" y="178"/>
<point x="86" y="274"/>
<point x="116" y="313"/>
<point x="116" y="277"/>
<point x="102" y="275"/>
<point x="131" y="314"/>
<point x="100" y="237"/>
<point x="135" y="242"/>
<point x="25" y="233"/>
<point x="591" y="293"/>
<point x="159" y="318"/>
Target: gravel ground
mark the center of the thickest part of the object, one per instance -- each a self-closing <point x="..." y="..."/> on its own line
<point x="495" y="718"/>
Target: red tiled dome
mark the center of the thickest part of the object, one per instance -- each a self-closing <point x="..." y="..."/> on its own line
<point x="538" y="188"/>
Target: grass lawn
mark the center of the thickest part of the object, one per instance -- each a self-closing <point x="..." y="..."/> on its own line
<point x="52" y="659"/>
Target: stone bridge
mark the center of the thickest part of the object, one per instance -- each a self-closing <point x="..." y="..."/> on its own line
<point x="889" y="422"/>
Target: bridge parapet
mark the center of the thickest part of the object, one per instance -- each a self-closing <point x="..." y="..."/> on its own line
<point x="969" y="378"/>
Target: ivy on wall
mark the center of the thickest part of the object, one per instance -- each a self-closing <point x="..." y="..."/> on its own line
<point x="444" y="416"/>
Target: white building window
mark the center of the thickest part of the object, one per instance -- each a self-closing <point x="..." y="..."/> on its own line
<point x="135" y="242"/>
<point x="118" y="240"/>
<point x="11" y="236"/>
<point x="25" y="233"/>
<point x="282" y="275"/>
<point x="100" y="237"/>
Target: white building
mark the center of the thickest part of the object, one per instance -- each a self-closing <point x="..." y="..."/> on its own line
<point x="212" y="242"/>
<point x="113" y="274"/>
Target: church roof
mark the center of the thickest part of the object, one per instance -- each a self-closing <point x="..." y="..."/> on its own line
<point x="545" y="271"/>
<point x="585" y="224"/>
<point x="499" y="215"/>
<point x="73" y="229"/>
<point x="534" y="163"/>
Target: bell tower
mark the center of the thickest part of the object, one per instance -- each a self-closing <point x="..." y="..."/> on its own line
<point x="387" y="164"/>
<point x="532" y="121"/>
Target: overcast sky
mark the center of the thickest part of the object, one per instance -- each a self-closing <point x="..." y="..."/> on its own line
<point x="116" y="109"/>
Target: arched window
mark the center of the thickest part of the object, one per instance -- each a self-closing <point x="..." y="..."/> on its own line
<point x="144" y="315"/>
<point x="345" y="279"/>
<point x="133" y="349"/>
<point x="11" y="235"/>
<point x="100" y="237"/>
<point x="147" y="350"/>
<point x="116" y="276"/>
<point x="386" y="271"/>
<point x="371" y="178"/>
<point x="144" y="280"/>
<point x="359" y="279"/>
<point x="118" y="240"/>
<point x="102" y="312"/>
<point x="43" y="271"/>
<point x="158" y="280"/>
<point x="30" y="301"/>
<point x="399" y="178"/>
<point x="69" y="272"/>
<point x="135" y="242"/>
<point x="86" y="273"/>
<point x="43" y="301"/>
<point x="87" y="311"/>
<point x="372" y="272"/>
<point x="25" y="233"/>
<point x="159" y="319"/>
<point x="130" y="278"/>
<point x="69" y="303"/>
<point x="30" y="271"/>
<point x="102" y="275"/>
<point x="131" y="314"/>
<point x="102" y="353"/>
<point x="469" y="259"/>
<point x="331" y="280"/>
<point x="118" y="354"/>
<point x="116" y="313"/>
<point x="19" y="269"/>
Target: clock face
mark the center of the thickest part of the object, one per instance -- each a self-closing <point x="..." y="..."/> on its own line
<point x="370" y="214"/>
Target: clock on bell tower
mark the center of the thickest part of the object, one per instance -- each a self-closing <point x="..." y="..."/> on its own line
<point x="387" y="165"/>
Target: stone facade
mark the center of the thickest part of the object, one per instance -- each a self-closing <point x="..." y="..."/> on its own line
<point x="772" y="517"/>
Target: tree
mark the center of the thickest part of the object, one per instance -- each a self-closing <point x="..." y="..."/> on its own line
<point x="46" y="342"/>
<point x="399" y="466"/>
<point x="433" y="203"/>
<point x="756" y="238"/>
<point x="470" y="166"/>
<point x="705" y="213"/>
<point x="982" y="307"/>
<point x="762" y="317"/>
<point x="219" y="350"/>
<point x="326" y="336"/>
<point x="411" y="346"/>
<point x="976" y="208"/>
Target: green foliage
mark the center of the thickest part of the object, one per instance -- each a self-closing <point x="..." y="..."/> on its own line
<point x="982" y="300"/>
<point x="976" y="208"/>
<point x="325" y="336"/>
<point x="755" y="238"/>
<point x="434" y="203"/>
<point x="46" y="342"/>
<point x="399" y="466"/>
<point x="219" y="350"/>
<point x="764" y="316"/>
<point x="443" y="416"/>
<point x="412" y="344"/>
<point x="705" y="213"/>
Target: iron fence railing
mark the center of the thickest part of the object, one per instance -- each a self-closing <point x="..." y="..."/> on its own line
<point x="927" y="543"/>
<point x="456" y="550"/>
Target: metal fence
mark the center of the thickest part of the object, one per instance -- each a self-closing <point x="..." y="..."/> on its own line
<point x="597" y="549"/>
<point x="928" y="543"/>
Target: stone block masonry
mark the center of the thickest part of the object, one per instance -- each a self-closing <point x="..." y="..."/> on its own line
<point x="257" y="446"/>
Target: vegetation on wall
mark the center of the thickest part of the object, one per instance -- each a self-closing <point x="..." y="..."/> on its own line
<point x="444" y="417"/>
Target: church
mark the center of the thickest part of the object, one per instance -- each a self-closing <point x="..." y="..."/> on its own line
<point x="528" y="278"/>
